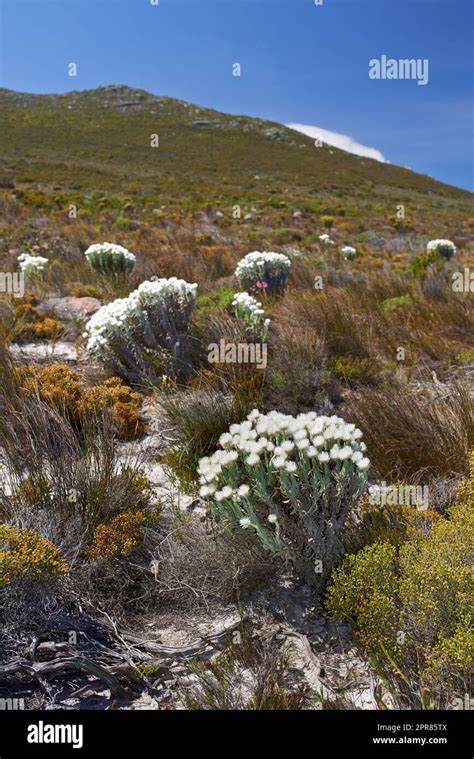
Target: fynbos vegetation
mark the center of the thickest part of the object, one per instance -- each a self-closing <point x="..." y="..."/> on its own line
<point x="211" y="455"/>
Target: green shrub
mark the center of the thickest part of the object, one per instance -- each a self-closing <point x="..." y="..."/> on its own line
<point x="353" y="370"/>
<point x="398" y="303"/>
<point x="199" y="417"/>
<point x="411" y="606"/>
<point x="363" y="593"/>
<point x="428" y="261"/>
<point x="327" y="221"/>
<point x="445" y="248"/>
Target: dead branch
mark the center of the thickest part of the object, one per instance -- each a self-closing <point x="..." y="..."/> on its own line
<point x="18" y="673"/>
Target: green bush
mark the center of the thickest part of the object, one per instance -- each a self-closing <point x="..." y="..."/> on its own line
<point x="411" y="606"/>
<point x="426" y="262"/>
<point x="327" y="221"/>
<point x="395" y="304"/>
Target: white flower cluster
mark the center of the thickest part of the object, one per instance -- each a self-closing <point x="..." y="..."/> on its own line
<point x="282" y="445"/>
<point x="171" y="289"/>
<point x="113" y="320"/>
<point x="326" y="240"/>
<point x="106" y="322"/>
<point x="32" y="266"/>
<point x="268" y="267"/>
<point x="107" y="257"/>
<point x="445" y="248"/>
<point x="250" y="311"/>
<point x="348" y="252"/>
<point x="292" y="481"/>
<point x="291" y="251"/>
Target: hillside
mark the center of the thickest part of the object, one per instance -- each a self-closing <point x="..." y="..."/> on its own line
<point x="194" y="531"/>
<point x="97" y="138"/>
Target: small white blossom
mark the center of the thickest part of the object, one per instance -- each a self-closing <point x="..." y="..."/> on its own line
<point x="32" y="266"/>
<point x="253" y="459"/>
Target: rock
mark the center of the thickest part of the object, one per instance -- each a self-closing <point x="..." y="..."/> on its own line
<point x="70" y="307"/>
<point x="129" y="104"/>
<point x="297" y="214"/>
<point x="39" y="223"/>
<point x="274" y="134"/>
<point x="194" y="506"/>
<point x="249" y="217"/>
<point x="59" y="352"/>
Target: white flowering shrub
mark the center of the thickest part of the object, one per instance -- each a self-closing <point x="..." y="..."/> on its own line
<point x="290" y="480"/>
<point x="326" y="240"/>
<point x="444" y="248"/>
<point x="108" y="258"/>
<point x="250" y="312"/>
<point x="291" y="251"/>
<point x="32" y="266"/>
<point x="145" y="335"/>
<point x="348" y="252"/>
<point x="264" y="270"/>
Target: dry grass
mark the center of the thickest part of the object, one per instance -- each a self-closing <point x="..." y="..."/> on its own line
<point x="411" y="435"/>
<point x="250" y="675"/>
<point x="57" y="483"/>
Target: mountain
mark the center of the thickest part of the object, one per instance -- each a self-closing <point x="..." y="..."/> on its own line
<point x="101" y="139"/>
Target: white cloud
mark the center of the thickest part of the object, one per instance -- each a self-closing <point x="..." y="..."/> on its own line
<point x="342" y="141"/>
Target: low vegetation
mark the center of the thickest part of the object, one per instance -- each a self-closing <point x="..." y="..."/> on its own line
<point x="410" y="605"/>
<point x="222" y="417"/>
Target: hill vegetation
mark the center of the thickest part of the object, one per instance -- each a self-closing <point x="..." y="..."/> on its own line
<point x="157" y="477"/>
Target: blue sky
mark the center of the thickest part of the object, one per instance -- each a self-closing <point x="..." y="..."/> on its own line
<point x="300" y="63"/>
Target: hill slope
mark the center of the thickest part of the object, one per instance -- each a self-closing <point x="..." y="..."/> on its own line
<point x="98" y="138"/>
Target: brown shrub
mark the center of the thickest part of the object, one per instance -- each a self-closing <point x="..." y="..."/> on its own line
<point x="61" y="387"/>
<point x="122" y="534"/>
